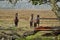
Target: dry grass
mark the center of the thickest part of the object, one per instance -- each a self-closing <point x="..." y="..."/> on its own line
<point x="7" y="17"/>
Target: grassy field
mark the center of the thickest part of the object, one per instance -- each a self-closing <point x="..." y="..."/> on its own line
<point x="7" y="20"/>
<point x="7" y="17"/>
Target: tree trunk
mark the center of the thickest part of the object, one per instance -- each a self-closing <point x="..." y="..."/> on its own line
<point x="54" y="6"/>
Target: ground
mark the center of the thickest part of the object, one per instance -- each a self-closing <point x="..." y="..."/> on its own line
<point x="7" y="19"/>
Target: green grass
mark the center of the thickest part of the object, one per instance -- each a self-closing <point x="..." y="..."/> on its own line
<point x="23" y="27"/>
<point x="38" y="36"/>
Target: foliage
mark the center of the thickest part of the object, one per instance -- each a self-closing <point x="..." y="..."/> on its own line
<point x="38" y="36"/>
<point x="35" y="2"/>
<point x="13" y="2"/>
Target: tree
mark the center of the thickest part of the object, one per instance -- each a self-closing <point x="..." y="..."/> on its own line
<point x="13" y="1"/>
<point x="55" y="7"/>
<point x="35" y="2"/>
<point x="53" y="3"/>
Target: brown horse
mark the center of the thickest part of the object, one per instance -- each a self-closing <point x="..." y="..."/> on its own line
<point x="16" y="19"/>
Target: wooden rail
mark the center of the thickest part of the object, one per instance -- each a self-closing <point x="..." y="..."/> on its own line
<point x="47" y="29"/>
<point x="51" y="18"/>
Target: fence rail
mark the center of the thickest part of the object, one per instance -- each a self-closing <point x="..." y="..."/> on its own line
<point x="50" y="21"/>
<point x="51" y="18"/>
